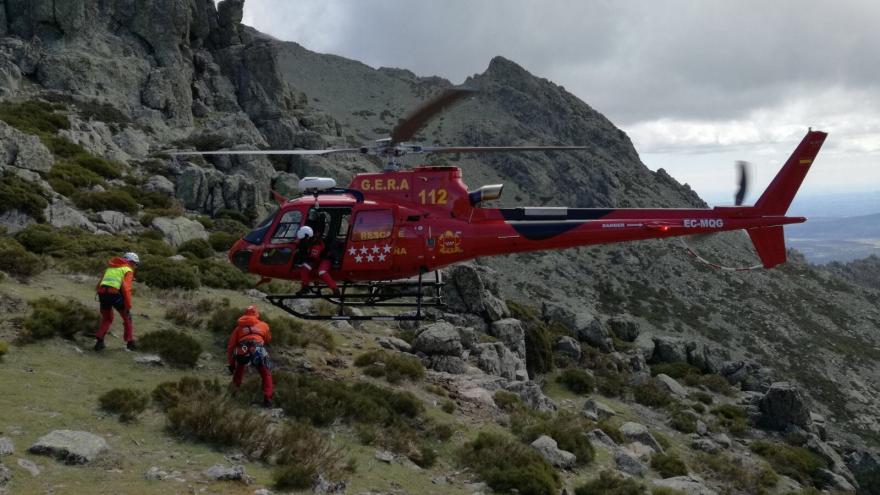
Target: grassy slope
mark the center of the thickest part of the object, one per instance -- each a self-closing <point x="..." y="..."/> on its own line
<point x="56" y="384"/>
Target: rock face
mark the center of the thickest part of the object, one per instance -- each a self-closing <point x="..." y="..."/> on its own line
<point x="510" y="331"/>
<point x="473" y="289"/>
<point x="71" y="447"/>
<point x="438" y="338"/>
<point x="548" y="449"/>
<point x="635" y="432"/>
<point x="532" y="395"/>
<point x="784" y="405"/>
<point x="179" y="230"/>
<point x="24" y="151"/>
<point x="6" y="446"/>
<point x="569" y="347"/>
<point x="672" y="385"/>
<point x="496" y="359"/>
<point x="220" y="472"/>
<point x="628" y="463"/>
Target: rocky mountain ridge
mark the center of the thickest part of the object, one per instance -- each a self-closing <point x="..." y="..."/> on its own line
<point x="135" y="78"/>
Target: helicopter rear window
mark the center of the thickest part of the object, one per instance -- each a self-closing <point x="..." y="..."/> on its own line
<point x="256" y="236"/>
<point x="287" y="227"/>
<point x="372" y="225"/>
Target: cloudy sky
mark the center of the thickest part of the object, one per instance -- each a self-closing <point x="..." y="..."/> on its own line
<point x="696" y="84"/>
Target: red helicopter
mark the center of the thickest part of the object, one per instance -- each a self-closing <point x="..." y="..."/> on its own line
<point x="386" y="230"/>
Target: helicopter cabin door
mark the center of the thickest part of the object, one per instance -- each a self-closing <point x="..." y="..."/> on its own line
<point x="371" y="246"/>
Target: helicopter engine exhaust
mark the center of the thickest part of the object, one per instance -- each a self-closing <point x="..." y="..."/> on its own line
<point x="485" y="193"/>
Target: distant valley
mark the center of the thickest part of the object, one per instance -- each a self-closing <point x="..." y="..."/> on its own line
<point x="823" y="240"/>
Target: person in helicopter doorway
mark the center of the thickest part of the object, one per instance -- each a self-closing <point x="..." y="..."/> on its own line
<point x="247" y="346"/>
<point x="314" y="254"/>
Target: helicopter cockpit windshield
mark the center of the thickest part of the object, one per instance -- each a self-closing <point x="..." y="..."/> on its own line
<point x="256" y="236"/>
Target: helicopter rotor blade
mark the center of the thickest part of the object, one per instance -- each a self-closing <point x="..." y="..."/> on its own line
<point x="743" y="182"/>
<point x="411" y="124"/>
<point x="268" y="152"/>
<point x="493" y="149"/>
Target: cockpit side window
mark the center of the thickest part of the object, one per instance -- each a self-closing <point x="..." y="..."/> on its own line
<point x="287" y="227"/>
<point x="256" y="236"/>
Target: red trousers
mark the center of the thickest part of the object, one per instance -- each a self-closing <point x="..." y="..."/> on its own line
<point x="265" y="375"/>
<point x="305" y="274"/>
<point x="108" y="303"/>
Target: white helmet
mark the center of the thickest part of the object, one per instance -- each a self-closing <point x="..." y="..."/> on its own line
<point x="133" y="257"/>
<point x="304" y="232"/>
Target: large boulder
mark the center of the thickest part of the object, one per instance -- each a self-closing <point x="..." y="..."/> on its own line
<point x="669" y="350"/>
<point x="784" y="405"/>
<point x="570" y="347"/>
<point x="628" y="463"/>
<point x="496" y="359"/>
<point x="625" y="328"/>
<point x="71" y="447"/>
<point x="179" y="230"/>
<point x="159" y="184"/>
<point x="116" y="222"/>
<point x="748" y="374"/>
<point x="62" y="214"/>
<point x="510" y="331"/>
<point x="635" y="432"/>
<point x="706" y="358"/>
<point x="583" y="325"/>
<point x="671" y="385"/>
<point x="438" y="338"/>
<point x="6" y="446"/>
<point x="549" y="450"/>
<point x="532" y="395"/>
<point x="24" y="151"/>
<point x="689" y="485"/>
<point x="447" y="364"/>
<point x="472" y="289"/>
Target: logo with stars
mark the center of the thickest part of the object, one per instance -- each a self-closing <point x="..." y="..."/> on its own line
<point x="365" y="254"/>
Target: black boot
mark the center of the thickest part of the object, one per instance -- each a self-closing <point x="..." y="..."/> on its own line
<point x="267" y="402"/>
<point x="131" y="345"/>
<point x="99" y="344"/>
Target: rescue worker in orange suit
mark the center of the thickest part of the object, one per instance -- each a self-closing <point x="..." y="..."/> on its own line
<point x="114" y="292"/>
<point x="313" y="250"/>
<point x="247" y="346"/>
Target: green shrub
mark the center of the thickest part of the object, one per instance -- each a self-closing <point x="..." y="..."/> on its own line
<point x="609" y="381"/>
<point x="611" y="427"/>
<point x="698" y="407"/>
<point x="52" y="316"/>
<point x="222" y="275"/>
<point x="67" y="178"/>
<point x="668" y="465"/>
<point x="610" y="483"/>
<point x="293" y="477"/>
<point x="101" y="166"/>
<point x="224" y="320"/>
<point x="112" y="199"/>
<point x="162" y="273"/>
<point x="733" y="472"/>
<point x="168" y="394"/>
<point x="222" y="241"/>
<point x="447" y="406"/>
<point x="538" y="340"/>
<point x="732" y="417"/>
<point x="652" y="394"/>
<point x="196" y="247"/>
<point x="714" y="382"/>
<point x="508" y="401"/>
<point x="393" y="366"/>
<point x="229" y="226"/>
<point x="577" y="380"/>
<point x="22" y="195"/>
<point x="795" y="462"/>
<point x="662" y="490"/>
<point x="288" y="331"/>
<point x="507" y="465"/>
<point x="155" y="201"/>
<point x="662" y="439"/>
<point x="239" y="217"/>
<point x="4" y="348"/>
<point x="568" y="431"/>
<point x="15" y="260"/>
<point x="677" y="370"/>
<point x="702" y="397"/>
<point x="44" y="239"/>
<point x="177" y="348"/>
<point x="683" y="422"/>
<point x="34" y="116"/>
<point x="184" y="314"/>
<point x="323" y="401"/>
<point x="125" y="402"/>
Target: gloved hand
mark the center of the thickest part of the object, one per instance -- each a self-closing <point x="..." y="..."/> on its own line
<point x="231" y="368"/>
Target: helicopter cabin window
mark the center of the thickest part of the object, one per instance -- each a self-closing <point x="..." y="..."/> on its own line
<point x="372" y="225"/>
<point x="287" y="227"/>
<point x="256" y="236"/>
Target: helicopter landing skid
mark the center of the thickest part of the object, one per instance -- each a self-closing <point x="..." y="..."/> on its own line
<point x="416" y="293"/>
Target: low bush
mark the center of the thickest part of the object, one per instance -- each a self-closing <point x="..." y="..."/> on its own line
<point x="176" y="348"/>
<point x="113" y="199"/>
<point x="795" y="462"/>
<point x="22" y="195"/>
<point x="151" y="214"/>
<point x="125" y="402"/>
<point x="162" y="273"/>
<point x="567" y="429"/>
<point x="101" y="166"/>
<point x="395" y="367"/>
<point x="677" y="370"/>
<point x="447" y="406"/>
<point x="610" y="483"/>
<point x="4" y="348"/>
<point x="34" y="116"/>
<point x="67" y="178"/>
<point x="538" y="339"/>
<point x="662" y="490"/>
<point x="224" y="320"/>
<point x="683" y="422"/>
<point x="222" y="275"/>
<point x="735" y="473"/>
<point x="733" y="418"/>
<point x="51" y="316"/>
<point x="714" y="382"/>
<point x="611" y="427"/>
<point x="652" y="394"/>
<point x="668" y="465"/>
<point x="196" y="247"/>
<point x="222" y="241"/>
<point x="168" y="394"/>
<point x="508" y="401"/>
<point x="229" y="226"/>
<point x="577" y="380"/>
<point x="702" y="397"/>
<point x="15" y="260"/>
<point x="609" y="381"/>
<point x="184" y="314"/>
<point x="236" y="216"/>
<point x="155" y="201"/>
<point x="507" y="465"/>
<point x="698" y="407"/>
<point x="44" y="239"/>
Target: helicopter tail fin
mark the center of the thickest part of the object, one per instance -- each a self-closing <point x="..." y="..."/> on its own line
<point x="780" y="193"/>
<point x="770" y="244"/>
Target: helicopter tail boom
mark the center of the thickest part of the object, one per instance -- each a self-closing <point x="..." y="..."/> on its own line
<point x="780" y="193"/>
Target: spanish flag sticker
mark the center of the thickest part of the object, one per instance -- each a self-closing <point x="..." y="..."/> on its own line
<point x="806" y="161"/>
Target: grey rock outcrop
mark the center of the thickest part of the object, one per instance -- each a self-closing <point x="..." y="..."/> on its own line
<point x="394" y="344"/>
<point x="669" y="350"/>
<point x="511" y="333"/>
<point x="24" y="151"/>
<point x="834" y="481"/>
<point x="6" y="446"/>
<point x="159" y="184"/>
<point x="549" y="450"/>
<point x="628" y="463"/>
<point x="532" y="395"/>
<point x="179" y="230"/>
<point x="220" y="472"/>
<point x="570" y="347"/>
<point x="447" y="364"/>
<point x="635" y="432"/>
<point x="438" y="338"/>
<point x="748" y="374"/>
<point x="5" y="476"/>
<point x="29" y="466"/>
<point x="472" y="289"/>
<point x="784" y="405"/>
<point x="625" y="328"/>
<point x="71" y="447"/>
<point x="598" y="436"/>
<point x="61" y="214"/>
<point x="671" y="385"/>
<point x="597" y="410"/>
<point x="116" y="222"/>
<point x="690" y="485"/>
<point x="496" y="359"/>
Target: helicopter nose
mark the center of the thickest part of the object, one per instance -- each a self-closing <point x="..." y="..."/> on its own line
<point x="240" y="255"/>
